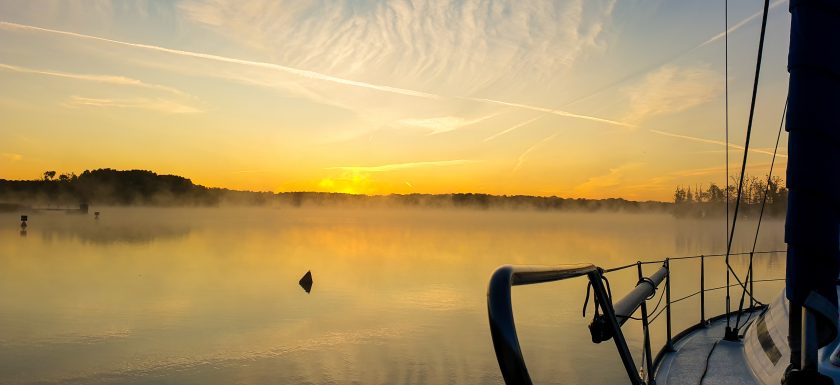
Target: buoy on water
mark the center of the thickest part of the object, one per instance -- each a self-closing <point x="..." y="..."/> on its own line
<point x="306" y="281"/>
<point x="23" y="225"/>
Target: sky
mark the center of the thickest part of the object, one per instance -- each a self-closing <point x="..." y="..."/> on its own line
<point x="577" y="98"/>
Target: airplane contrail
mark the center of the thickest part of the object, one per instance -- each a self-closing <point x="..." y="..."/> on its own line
<point x="520" y="125"/>
<point x="105" y="79"/>
<point x="224" y="59"/>
<point x="717" y="142"/>
<point x="296" y="71"/>
<point x="552" y="111"/>
<point x="740" y="24"/>
<point x="521" y="160"/>
<point x="671" y="58"/>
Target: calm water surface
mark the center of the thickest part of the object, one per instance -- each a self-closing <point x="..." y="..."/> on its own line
<point x="211" y="296"/>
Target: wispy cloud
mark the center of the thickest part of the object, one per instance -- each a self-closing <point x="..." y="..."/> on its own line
<point x="443" y="124"/>
<point x="402" y="166"/>
<point x="717" y="170"/>
<point x="225" y="59"/>
<point x="671" y="89"/>
<point x="672" y="58"/>
<point x="307" y="74"/>
<point x="524" y="156"/>
<point x="104" y="79"/>
<point x="716" y="142"/>
<point x="601" y="183"/>
<point x="462" y="45"/>
<point x="360" y="180"/>
<point x="160" y="105"/>
<point x="664" y="184"/>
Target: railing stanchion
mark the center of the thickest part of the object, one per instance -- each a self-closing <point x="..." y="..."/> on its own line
<point x="646" y="328"/>
<point x="703" y="290"/>
<point x="668" y="345"/>
<point x="750" y="275"/>
<point x="618" y="336"/>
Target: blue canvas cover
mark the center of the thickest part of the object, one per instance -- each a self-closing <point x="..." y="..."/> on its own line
<point x="812" y="229"/>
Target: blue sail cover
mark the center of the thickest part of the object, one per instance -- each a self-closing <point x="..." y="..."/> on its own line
<point x="812" y="229"/>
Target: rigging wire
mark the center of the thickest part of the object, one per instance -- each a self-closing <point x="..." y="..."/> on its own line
<point x="679" y="258"/>
<point x="761" y="213"/>
<point x="747" y="148"/>
<point x="726" y="123"/>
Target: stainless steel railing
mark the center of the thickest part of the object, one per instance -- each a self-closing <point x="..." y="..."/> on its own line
<point x="604" y="326"/>
<point x="503" y="327"/>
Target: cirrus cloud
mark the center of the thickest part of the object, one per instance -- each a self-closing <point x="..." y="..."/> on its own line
<point x="672" y="89"/>
<point x="160" y="105"/>
<point x="459" y="45"/>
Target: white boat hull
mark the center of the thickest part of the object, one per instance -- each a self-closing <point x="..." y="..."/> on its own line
<point x="761" y="358"/>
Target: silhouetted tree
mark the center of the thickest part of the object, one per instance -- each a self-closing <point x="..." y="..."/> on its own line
<point x="701" y="202"/>
<point x="716" y="194"/>
<point x="67" y="177"/>
<point x="679" y="195"/>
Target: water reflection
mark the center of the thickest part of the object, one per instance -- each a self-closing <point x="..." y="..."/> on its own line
<point x="201" y="296"/>
<point x="126" y="226"/>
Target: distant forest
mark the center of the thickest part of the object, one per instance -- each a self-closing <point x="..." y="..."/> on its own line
<point x="109" y="187"/>
<point x="106" y="187"/>
<point x="113" y="187"/>
<point x="712" y="201"/>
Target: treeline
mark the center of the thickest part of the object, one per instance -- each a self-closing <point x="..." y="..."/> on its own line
<point x="712" y="200"/>
<point x="140" y="187"/>
<point x="113" y="187"/>
<point x="470" y="201"/>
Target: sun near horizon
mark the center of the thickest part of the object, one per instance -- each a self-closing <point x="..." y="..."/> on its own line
<point x="573" y="99"/>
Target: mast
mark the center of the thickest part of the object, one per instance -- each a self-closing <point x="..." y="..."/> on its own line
<point x="812" y="227"/>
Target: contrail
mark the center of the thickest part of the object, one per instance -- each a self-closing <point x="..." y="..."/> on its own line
<point x="524" y="155"/>
<point x="105" y="79"/>
<point x="669" y="59"/>
<point x="444" y="124"/>
<point x="711" y="170"/>
<point x="224" y="59"/>
<point x="149" y="104"/>
<point x="296" y="71"/>
<point x="711" y="141"/>
<point x="520" y="125"/>
<point x="551" y="111"/>
<point x="739" y="24"/>
<point x="401" y="166"/>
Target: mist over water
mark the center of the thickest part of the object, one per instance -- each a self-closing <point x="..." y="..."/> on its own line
<point x="211" y="296"/>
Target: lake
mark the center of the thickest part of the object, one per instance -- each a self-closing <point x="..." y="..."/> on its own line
<point x="211" y="296"/>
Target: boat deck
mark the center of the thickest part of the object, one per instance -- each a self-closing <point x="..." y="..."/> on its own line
<point x="705" y="346"/>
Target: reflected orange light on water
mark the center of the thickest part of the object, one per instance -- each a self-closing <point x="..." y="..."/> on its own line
<point x="212" y="295"/>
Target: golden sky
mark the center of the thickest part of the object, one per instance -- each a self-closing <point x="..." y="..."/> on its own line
<point x="570" y="98"/>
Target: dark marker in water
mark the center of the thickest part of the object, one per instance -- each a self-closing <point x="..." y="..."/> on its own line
<point x="306" y="281"/>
